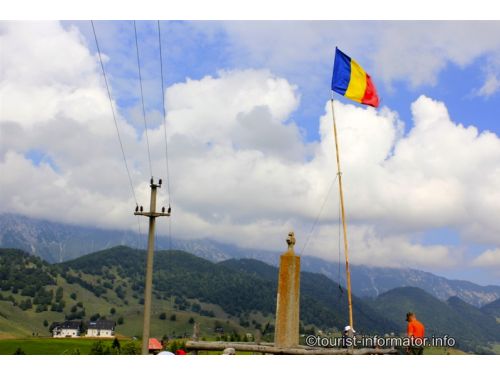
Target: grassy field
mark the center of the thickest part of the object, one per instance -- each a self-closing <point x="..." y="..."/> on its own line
<point x="15" y="323"/>
<point x="443" y="351"/>
<point x="496" y="348"/>
<point x="49" y="345"/>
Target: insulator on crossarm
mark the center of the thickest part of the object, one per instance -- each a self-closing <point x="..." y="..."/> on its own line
<point x="136" y="208"/>
<point x="159" y="182"/>
<point x="163" y="210"/>
<point x="141" y="209"/>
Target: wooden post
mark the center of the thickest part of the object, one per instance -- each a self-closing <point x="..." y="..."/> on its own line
<point x="344" y="225"/>
<point x="152" y="214"/>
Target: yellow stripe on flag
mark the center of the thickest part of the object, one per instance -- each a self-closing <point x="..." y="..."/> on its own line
<point x="357" y="83"/>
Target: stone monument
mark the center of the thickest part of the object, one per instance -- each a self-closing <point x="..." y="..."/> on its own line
<point x="286" y="334"/>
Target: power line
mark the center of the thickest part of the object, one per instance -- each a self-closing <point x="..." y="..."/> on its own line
<point x="142" y="99"/>
<point x="165" y="134"/>
<point x="319" y="215"/>
<point x="113" y="112"/>
<point x="341" y="291"/>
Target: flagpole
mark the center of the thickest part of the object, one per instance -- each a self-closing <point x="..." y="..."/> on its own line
<point x="346" y="251"/>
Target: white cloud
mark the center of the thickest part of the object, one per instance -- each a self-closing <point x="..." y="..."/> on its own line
<point x="489" y="258"/>
<point x="410" y="51"/>
<point x="241" y="171"/>
<point x="368" y="246"/>
<point x="490" y="86"/>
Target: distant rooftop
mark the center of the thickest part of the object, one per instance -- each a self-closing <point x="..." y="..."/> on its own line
<point x="102" y="324"/>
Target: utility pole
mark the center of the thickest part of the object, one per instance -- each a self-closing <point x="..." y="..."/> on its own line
<point x="152" y="214"/>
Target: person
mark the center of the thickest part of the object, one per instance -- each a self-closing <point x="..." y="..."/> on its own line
<point x="415" y="329"/>
<point x="348" y="336"/>
<point x="229" y="351"/>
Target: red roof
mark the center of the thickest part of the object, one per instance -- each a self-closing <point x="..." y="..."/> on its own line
<point x="154" y="344"/>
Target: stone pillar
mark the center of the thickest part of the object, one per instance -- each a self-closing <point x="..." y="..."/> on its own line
<point x="286" y="333"/>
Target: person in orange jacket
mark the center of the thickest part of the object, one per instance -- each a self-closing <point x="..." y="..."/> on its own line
<point x="415" y="329"/>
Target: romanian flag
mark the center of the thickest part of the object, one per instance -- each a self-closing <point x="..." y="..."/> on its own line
<point x="350" y="80"/>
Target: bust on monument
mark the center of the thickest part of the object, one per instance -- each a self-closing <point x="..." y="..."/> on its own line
<point x="291" y="242"/>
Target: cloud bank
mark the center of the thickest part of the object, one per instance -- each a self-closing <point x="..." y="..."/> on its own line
<point x="241" y="170"/>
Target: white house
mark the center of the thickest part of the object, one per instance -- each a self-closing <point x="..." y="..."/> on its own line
<point x="70" y="328"/>
<point x="101" y="328"/>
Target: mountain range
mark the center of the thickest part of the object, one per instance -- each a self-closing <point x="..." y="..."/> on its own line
<point x="239" y="294"/>
<point x="56" y="242"/>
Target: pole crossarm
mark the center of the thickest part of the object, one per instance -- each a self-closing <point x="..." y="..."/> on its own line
<point x="151" y="214"/>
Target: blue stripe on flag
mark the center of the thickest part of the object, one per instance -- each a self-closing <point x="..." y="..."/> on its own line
<point x="341" y="72"/>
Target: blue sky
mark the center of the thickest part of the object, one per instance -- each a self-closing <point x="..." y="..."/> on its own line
<point x="280" y="71"/>
<point x="191" y="53"/>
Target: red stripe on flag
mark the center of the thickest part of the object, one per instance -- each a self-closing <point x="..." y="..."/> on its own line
<point x="370" y="97"/>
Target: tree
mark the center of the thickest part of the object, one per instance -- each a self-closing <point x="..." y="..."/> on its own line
<point x="45" y="323"/>
<point x="163" y="316"/>
<point x="19" y="351"/>
<point x="29" y="290"/>
<point x="191" y="320"/>
<point x="112" y="311"/>
<point x="43" y="297"/>
<point x="59" y="306"/>
<point x="173" y="317"/>
<point x="120" y="320"/>
<point x="95" y="317"/>
<point x="73" y="296"/>
<point x="116" y="344"/>
<point x="174" y="345"/>
<point x="59" y="294"/>
<point x="26" y="304"/>
<point x="130" y="348"/>
<point x="97" y="348"/>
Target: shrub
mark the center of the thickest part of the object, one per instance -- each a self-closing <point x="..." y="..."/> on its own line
<point x="97" y="348"/>
<point x="130" y="348"/>
<point x="19" y="351"/>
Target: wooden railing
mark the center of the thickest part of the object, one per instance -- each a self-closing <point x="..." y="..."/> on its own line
<point x="269" y="348"/>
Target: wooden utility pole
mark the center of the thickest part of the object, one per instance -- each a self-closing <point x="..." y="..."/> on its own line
<point x="344" y="225"/>
<point x="152" y="214"/>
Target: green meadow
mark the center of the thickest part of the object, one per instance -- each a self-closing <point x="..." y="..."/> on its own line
<point x="49" y="346"/>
